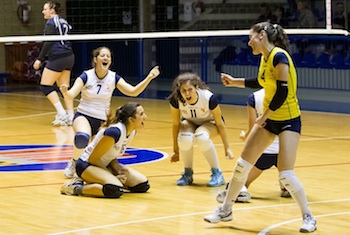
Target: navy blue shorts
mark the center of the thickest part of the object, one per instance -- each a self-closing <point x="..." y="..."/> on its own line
<point x="266" y="161"/>
<point x="61" y="64"/>
<point x="94" y="122"/>
<point x="276" y="127"/>
<point x="80" y="166"/>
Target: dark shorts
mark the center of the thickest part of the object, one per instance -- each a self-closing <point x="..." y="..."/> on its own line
<point x="61" y="64"/>
<point x="266" y="161"/>
<point x="276" y="127"/>
<point x="94" y="122"/>
<point x="80" y="166"/>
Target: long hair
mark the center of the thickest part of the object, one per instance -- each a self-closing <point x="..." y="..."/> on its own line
<point x="122" y="114"/>
<point x="194" y="80"/>
<point x="275" y="34"/>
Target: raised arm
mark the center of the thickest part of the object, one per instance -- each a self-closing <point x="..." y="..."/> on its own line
<point x="130" y="90"/>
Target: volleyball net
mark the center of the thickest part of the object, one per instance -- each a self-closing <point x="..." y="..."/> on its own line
<point x="322" y="55"/>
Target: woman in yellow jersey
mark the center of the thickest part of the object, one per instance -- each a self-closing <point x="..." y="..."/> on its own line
<point x="281" y="117"/>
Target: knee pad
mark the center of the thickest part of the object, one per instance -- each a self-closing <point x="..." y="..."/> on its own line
<point x="241" y="170"/>
<point x="112" y="191"/>
<point x="81" y="140"/>
<point x="290" y="181"/>
<point x="140" y="188"/>
<point x="185" y="140"/>
<point x="46" y="89"/>
<point x="203" y="140"/>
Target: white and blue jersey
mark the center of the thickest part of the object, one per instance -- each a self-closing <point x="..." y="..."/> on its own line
<point x="256" y="100"/>
<point x="121" y="141"/>
<point x="97" y="93"/>
<point x="200" y="112"/>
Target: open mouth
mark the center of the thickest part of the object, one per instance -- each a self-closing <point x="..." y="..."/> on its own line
<point x="104" y="65"/>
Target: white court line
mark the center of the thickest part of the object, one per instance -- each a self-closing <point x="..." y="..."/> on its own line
<point x="194" y="214"/>
<point x="264" y="231"/>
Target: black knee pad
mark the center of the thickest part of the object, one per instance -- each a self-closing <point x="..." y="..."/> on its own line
<point x="140" y="188"/>
<point x="47" y="89"/>
<point x="112" y="191"/>
<point x="81" y="140"/>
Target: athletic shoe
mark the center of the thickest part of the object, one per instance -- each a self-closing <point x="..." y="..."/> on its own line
<point x="217" y="179"/>
<point x="309" y="224"/>
<point x="69" y="171"/>
<point x="221" y="196"/>
<point x="186" y="178"/>
<point x="243" y="196"/>
<point x="219" y="215"/>
<point x="68" y="188"/>
<point x="60" y="120"/>
<point x="285" y="193"/>
<point x="69" y="121"/>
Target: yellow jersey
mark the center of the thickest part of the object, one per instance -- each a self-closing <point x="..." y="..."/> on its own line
<point x="267" y="79"/>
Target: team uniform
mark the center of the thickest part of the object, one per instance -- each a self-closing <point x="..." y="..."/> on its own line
<point x="269" y="157"/>
<point x="198" y="113"/>
<point x="287" y="116"/>
<point x="118" y="133"/>
<point x="96" y="97"/>
<point x="59" y="53"/>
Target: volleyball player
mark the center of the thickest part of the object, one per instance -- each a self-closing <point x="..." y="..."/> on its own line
<point x="59" y="64"/>
<point x="266" y="160"/>
<point x="96" y="86"/>
<point x="98" y="165"/>
<point x="196" y="117"/>
<point x="281" y="117"/>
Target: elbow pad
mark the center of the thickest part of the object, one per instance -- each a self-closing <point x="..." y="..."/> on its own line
<point x="280" y="95"/>
<point x="252" y="83"/>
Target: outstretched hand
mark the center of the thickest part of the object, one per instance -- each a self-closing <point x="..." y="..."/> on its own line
<point x="154" y="72"/>
<point x="226" y="79"/>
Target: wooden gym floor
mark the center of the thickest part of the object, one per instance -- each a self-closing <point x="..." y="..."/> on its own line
<point x="31" y="203"/>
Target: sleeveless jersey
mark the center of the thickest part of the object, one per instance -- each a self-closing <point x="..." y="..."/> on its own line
<point x="96" y="93"/>
<point x="198" y="113"/>
<point x="266" y="78"/>
<point x="118" y="148"/>
<point x="256" y="101"/>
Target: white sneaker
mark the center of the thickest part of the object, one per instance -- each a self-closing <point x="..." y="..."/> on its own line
<point x="60" y="120"/>
<point x="309" y="224"/>
<point x="69" y="171"/>
<point x="221" y="196"/>
<point x="244" y="195"/>
<point x="219" y="215"/>
<point x="68" y="188"/>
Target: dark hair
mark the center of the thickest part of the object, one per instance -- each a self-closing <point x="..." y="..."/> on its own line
<point x="96" y="52"/>
<point x="122" y="114"/>
<point x="275" y="34"/>
<point x="54" y="5"/>
<point x="194" y="80"/>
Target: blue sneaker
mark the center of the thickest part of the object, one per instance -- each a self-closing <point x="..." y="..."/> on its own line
<point x="186" y="178"/>
<point x="217" y="179"/>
